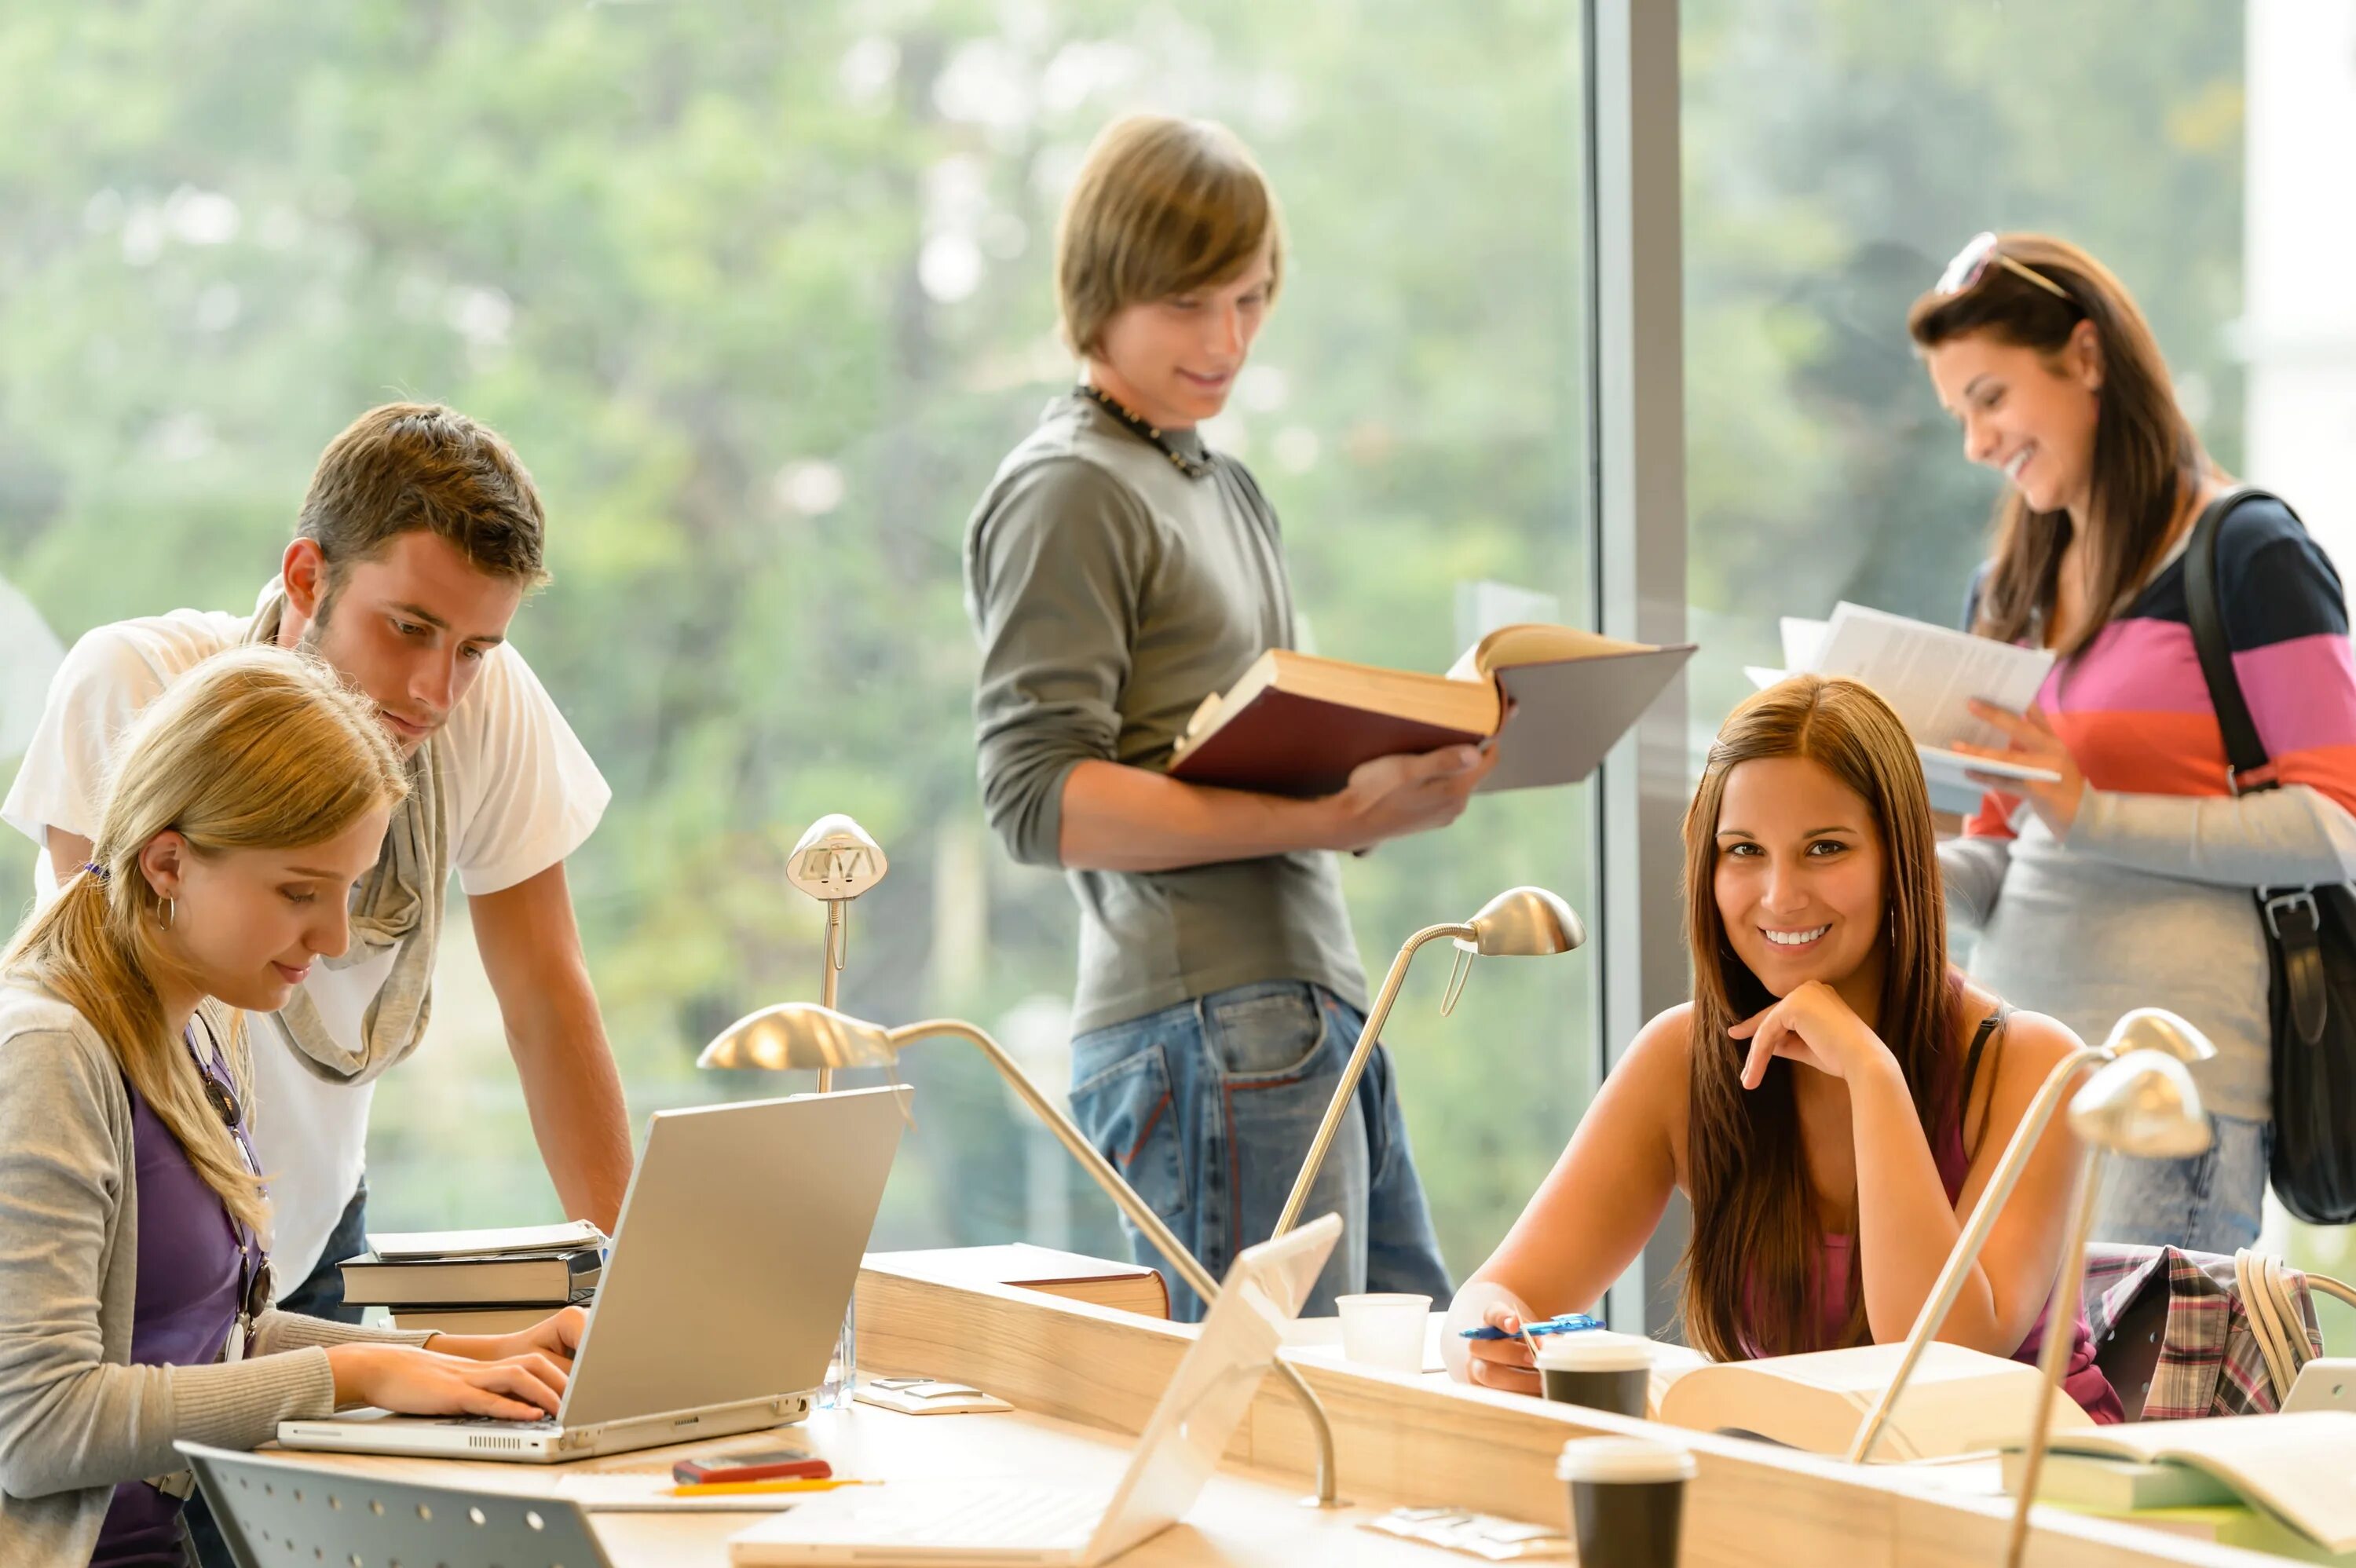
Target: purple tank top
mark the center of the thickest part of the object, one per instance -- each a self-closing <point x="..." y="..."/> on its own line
<point x="184" y="1304"/>
<point x="2081" y="1379"/>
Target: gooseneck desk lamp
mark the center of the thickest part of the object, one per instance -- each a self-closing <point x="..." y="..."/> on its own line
<point x="2144" y="1030"/>
<point x="1520" y="922"/>
<point x="803" y="1035"/>
<point x="835" y="862"/>
<point x="2143" y="1104"/>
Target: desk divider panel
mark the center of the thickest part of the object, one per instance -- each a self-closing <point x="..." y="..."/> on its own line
<point x="1412" y="1440"/>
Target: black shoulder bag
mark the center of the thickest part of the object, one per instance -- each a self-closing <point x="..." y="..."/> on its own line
<point x="2310" y="940"/>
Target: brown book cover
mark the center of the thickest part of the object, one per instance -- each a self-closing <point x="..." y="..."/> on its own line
<point x="1292" y="743"/>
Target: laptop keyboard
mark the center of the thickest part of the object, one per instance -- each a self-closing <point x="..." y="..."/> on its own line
<point x="989" y="1516"/>
<point x="545" y="1424"/>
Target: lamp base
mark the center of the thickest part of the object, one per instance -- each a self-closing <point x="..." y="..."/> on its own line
<point x="1314" y="1501"/>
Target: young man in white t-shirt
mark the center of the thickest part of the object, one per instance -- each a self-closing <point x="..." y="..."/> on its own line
<point x="416" y="543"/>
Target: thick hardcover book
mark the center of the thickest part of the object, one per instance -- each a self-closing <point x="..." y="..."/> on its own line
<point x="1554" y="699"/>
<point x="1130" y="1287"/>
<point x="549" y="1282"/>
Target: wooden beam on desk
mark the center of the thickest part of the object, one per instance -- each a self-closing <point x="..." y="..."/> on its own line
<point x="1413" y="1440"/>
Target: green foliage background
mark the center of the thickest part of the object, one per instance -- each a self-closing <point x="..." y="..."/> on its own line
<point x="760" y="291"/>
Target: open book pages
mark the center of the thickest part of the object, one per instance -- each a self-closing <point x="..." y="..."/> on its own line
<point x="1508" y="647"/>
<point x="1959" y="1401"/>
<point x="1929" y="675"/>
<point x="2301" y="1465"/>
<point x="508" y="1241"/>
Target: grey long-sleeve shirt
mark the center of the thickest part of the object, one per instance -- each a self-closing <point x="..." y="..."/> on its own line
<point x="1110" y="593"/>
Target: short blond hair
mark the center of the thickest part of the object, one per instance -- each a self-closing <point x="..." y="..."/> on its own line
<point x="1161" y="206"/>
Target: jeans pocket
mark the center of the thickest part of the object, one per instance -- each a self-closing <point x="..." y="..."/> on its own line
<point x="1274" y="1035"/>
<point x="1127" y="1111"/>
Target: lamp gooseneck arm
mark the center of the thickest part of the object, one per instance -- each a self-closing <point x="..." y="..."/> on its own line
<point x="1340" y="1104"/>
<point x="1949" y="1283"/>
<point x="1140" y="1215"/>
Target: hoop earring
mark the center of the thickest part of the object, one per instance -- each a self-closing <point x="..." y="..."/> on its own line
<point x="171" y="913"/>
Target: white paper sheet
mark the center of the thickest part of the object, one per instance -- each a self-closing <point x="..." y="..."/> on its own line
<point x="1930" y="674"/>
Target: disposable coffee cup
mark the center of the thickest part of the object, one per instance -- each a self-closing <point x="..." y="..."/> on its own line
<point x="1601" y="1370"/>
<point x="1384" y="1329"/>
<point x="1627" y="1499"/>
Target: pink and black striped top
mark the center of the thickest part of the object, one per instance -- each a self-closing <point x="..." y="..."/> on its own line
<point x="2147" y="900"/>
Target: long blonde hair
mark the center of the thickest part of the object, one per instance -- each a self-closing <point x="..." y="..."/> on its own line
<point x="255" y="749"/>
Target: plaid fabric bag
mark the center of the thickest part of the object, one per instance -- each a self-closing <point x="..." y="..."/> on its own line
<point x="2210" y="1363"/>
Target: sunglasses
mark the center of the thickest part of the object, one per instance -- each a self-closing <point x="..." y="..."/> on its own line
<point x="1971" y="264"/>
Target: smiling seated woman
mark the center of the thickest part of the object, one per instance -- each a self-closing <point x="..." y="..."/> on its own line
<point x="1834" y="1098"/>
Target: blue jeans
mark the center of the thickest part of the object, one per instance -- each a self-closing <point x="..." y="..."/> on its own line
<point x="2210" y="1202"/>
<point x="322" y="1294"/>
<point x="1209" y="1107"/>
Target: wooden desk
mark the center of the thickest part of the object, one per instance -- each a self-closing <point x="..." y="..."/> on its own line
<point x="1084" y="1379"/>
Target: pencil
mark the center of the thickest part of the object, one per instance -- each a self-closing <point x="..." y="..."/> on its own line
<point x="746" y="1488"/>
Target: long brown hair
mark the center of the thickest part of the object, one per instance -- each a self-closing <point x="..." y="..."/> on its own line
<point x="2147" y="457"/>
<point x="1751" y="1276"/>
<point x="255" y="748"/>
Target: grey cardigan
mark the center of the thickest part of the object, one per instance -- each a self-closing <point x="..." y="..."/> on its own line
<point x="75" y="1416"/>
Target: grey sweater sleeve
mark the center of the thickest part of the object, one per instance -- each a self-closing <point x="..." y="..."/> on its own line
<point x="69" y="1417"/>
<point x="2291" y="837"/>
<point x="1056" y="566"/>
<point x="1973" y="869"/>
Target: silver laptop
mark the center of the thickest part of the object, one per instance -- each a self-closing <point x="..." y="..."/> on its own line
<point x="1023" y="1521"/>
<point x="737" y="1252"/>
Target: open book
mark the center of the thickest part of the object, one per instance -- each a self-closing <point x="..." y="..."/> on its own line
<point x="1928" y="675"/>
<point x="2302" y="1465"/>
<point x="1959" y="1401"/>
<point x="1297" y="723"/>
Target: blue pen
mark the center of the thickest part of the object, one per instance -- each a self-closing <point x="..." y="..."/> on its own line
<point x="1569" y="1323"/>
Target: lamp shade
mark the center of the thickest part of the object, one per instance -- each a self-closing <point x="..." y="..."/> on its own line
<point x="2156" y="1029"/>
<point x="799" y="1035"/>
<point x="2143" y="1105"/>
<point x="1523" y="922"/>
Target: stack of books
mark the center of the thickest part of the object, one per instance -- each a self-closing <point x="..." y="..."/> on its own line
<point x="477" y="1282"/>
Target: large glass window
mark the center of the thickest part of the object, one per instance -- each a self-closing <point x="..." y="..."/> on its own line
<point x="761" y="294"/>
<point x="1837" y="155"/>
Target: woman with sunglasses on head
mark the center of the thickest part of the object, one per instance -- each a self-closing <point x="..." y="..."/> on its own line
<point x="135" y="1307"/>
<point x="1835" y="1098"/>
<point x="2128" y="881"/>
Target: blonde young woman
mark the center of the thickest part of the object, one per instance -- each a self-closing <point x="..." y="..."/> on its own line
<point x="136" y="1308"/>
<point x="1834" y="1098"/>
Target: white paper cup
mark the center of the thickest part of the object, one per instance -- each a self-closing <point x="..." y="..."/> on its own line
<point x="1627" y="1499"/>
<point x="1598" y="1370"/>
<point x="1384" y="1331"/>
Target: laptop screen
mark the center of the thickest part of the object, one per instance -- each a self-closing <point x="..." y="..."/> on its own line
<point x="736" y="1256"/>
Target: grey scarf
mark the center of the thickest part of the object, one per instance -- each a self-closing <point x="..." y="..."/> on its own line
<point x="397" y="905"/>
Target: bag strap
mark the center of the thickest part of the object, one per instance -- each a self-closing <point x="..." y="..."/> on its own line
<point x="2248" y="768"/>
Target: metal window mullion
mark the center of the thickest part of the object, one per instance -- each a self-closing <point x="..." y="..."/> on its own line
<point x="1636" y="409"/>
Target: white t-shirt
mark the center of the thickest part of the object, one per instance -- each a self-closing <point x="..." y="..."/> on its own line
<point x="520" y="794"/>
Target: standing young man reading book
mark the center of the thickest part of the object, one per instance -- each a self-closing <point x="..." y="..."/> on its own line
<point x="1118" y="572"/>
<point x="416" y="543"/>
